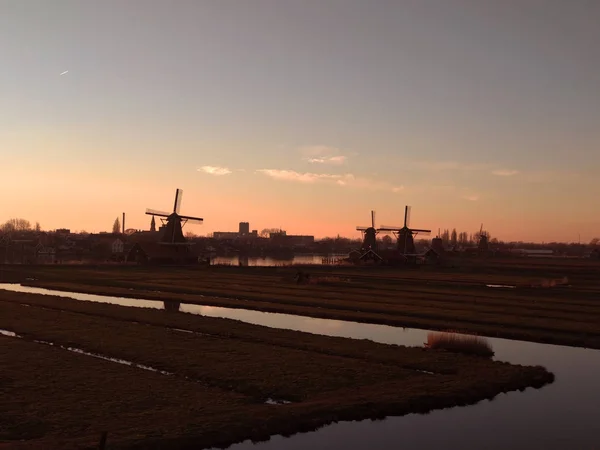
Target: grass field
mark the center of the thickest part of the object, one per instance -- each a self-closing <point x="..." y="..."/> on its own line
<point x="454" y="298"/>
<point x="220" y="375"/>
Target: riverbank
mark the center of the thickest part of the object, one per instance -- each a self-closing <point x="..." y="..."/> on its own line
<point x="234" y="366"/>
<point x="521" y="307"/>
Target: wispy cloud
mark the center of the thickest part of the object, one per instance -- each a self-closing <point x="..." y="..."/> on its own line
<point x="215" y="170"/>
<point x="471" y="198"/>
<point x="345" y="180"/>
<point x="292" y="175"/>
<point x="341" y="159"/>
<point x="322" y="154"/>
<point x="505" y="173"/>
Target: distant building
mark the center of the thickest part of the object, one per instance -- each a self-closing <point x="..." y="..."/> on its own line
<point x="45" y="255"/>
<point x="244" y="232"/>
<point x="117" y="246"/>
<point x="226" y="235"/>
<point x="244" y="228"/>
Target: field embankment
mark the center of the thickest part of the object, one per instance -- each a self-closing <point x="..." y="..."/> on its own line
<point x="440" y="299"/>
<point x="221" y="376"/>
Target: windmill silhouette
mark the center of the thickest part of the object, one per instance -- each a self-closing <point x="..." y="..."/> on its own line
<point x="369" y="235"/>
<point x="369" y="245"/>
<point x="405" y="234"/>
<point x="174" y="222"/>
<point x="483" y="244"/>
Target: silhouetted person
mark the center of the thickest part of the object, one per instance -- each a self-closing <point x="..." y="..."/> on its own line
<point x="302" y="278"/>
<point x="171" y="306"/>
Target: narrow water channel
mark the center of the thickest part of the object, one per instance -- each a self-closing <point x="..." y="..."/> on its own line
<point x="561" y="416"/>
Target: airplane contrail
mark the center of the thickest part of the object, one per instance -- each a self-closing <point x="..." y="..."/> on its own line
<point x="66" y="71"/>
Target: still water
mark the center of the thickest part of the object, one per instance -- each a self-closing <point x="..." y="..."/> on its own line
<point x="270" y="261"/>
<point x="562" y="415"/>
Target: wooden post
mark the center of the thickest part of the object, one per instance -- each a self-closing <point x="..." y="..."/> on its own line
<point x="102" y="444"/>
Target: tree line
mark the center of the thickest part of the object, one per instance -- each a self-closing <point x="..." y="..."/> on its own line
<point x="449" y="237"/>
<point x="16" y="225"/>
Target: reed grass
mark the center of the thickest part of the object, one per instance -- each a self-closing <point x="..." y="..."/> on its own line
<point x="467" y="344"/>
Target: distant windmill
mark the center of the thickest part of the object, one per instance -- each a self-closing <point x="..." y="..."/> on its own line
<point x="174" y="222"/>
<point x="483" y="244"/>
<point x="369" y="235"/>
<point x="405" y="234"/>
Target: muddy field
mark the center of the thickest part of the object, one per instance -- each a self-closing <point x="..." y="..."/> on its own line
<point x="542" y="300"/>
<point x="215" y="379"/>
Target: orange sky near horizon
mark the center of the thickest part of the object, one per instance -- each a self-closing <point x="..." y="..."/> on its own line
<point x="82" y="202"/>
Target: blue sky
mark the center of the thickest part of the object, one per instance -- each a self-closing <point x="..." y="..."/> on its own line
<point x="470" y="111"/>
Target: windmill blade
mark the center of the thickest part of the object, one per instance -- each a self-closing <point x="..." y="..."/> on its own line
<point x="177" y="205"/>
<point x="407" y="216"/>
<point x="373" y="219"/>
<point x="481" y="229"/>
<point x="154" y="212"/>
<point x="417" y="230"/>
<point x="389" y="228"/>
<point x="193" y="220"/>
<point x="362" y="228"/>
<point x="421" y="232"/>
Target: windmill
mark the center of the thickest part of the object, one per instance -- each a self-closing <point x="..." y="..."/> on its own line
<point x="483" y="245"/>
<point x="369" y="235"/>
<point x="174" y="222"/>
<point x="405" y="234"/>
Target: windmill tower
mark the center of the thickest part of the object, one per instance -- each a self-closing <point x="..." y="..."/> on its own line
<point x="174" y="222"/>
<point x="483" y="245"/>
<point x="405" y="234"/>
<point x="437" y="243"/>
<point x="369" y="235"/>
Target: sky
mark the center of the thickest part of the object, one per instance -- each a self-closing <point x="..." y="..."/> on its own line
<point x="304" y="115"/>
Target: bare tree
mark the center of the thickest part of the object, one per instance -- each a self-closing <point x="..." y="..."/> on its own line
<point x="267" y="231"/>
<point x="387" y="241"/>
<point x="117" y="226"/>
<point x="454" y="237"/>
<point x="16" y="225"/>
<point x="595" y="242"/>
<point x="445" y="236"/>
<point x="38" y="227"/>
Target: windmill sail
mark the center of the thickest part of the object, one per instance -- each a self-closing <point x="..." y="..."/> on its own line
<point x="177" y="206"/>
<point x="154" y="212"/>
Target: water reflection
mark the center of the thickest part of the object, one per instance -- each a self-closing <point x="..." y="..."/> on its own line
<point x="559" y="416"/>
<point x="246" y="261"/>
